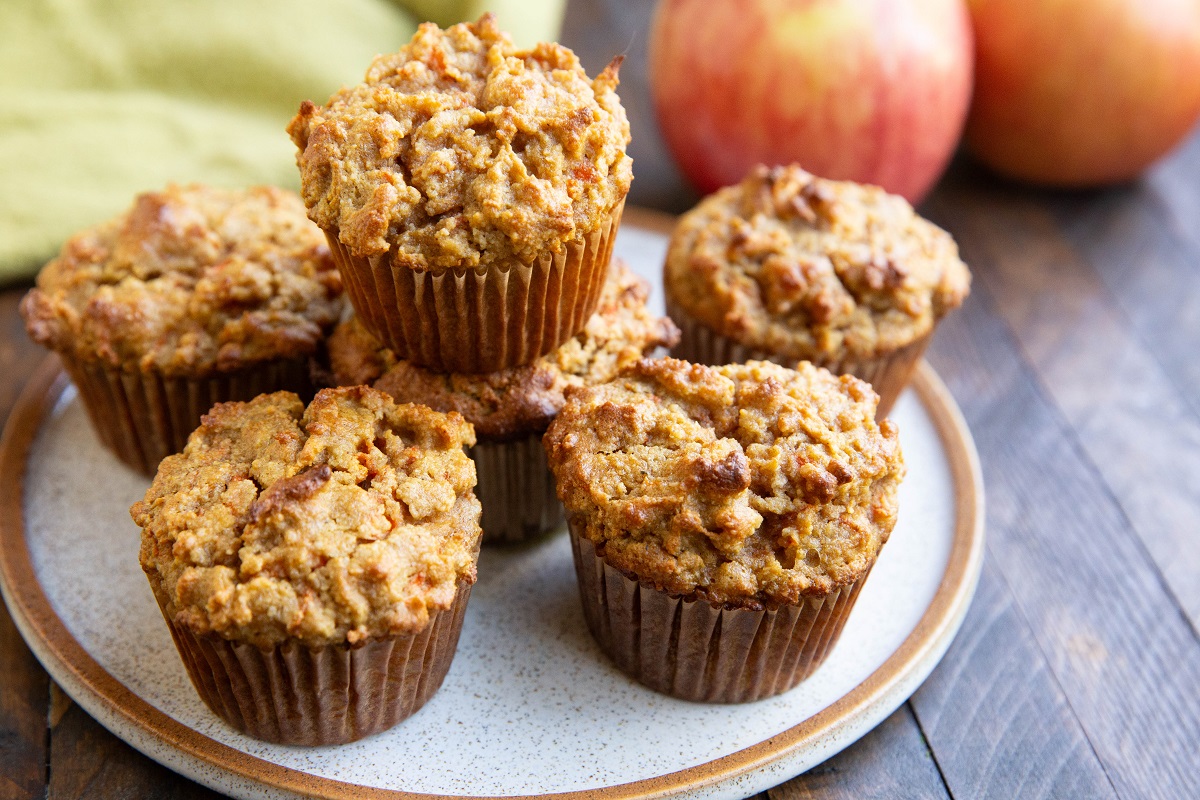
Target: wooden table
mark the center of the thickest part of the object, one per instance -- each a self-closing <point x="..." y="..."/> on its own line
<point x="1077" y="672"/>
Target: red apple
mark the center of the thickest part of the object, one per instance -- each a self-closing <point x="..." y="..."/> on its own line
<point x="1082" y="92"/>
<point x="874" y="91"/>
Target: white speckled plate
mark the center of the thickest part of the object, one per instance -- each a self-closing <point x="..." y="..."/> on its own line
<point x="531" y="706"/>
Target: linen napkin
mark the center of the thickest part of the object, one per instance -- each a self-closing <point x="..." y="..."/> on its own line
<point x="102" y="99"/>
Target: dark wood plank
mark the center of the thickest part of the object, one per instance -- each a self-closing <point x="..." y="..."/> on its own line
<point x="18" y="355"/>
<point x="1134" y="423"/>
<point x="1119" y="647"/>
<point x="87" y="761"/>
<point x="891" y="761"/>
<point x="996" y="718"/>
<point x="1143" y="242"/>
<point x="992" y="711"/>
<point x="24" y="696"/>
<point x="1150" y="265"/>
<point x="24" y="687"/>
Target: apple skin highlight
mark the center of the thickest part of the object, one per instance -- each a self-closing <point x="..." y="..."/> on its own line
<point x="875" y="92"/>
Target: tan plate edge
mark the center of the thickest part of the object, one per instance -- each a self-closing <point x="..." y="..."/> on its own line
<point x="104" y="696"/>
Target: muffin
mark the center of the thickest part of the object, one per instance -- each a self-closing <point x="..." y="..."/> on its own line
<point x="723" y="519"/>
<point x="511" y="409"/>
<point x="786" y="266"/>
<point x="193" y="296"/>
<point x="313" y="565"/>
<point x="470" y="191"/>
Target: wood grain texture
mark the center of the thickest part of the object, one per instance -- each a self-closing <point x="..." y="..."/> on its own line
<point x="24" y="695"/>
<point x="24" y="685"/>
<point x="1144" y="243"/>
<point x="1130" y="417"/>
<point x="995" y="716"/>
<point x="891" y="761"/>
<point x="89" y="762"/>
<point x="1122" y="652"/>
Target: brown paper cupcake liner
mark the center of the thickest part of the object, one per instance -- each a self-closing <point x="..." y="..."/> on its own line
<point x="692" y="650"/>
<point x="888" y="373"/>
<point x="297" y="695"/>
<point x="144" y="417"/>
<point x="516" y="489"/>
<point x="467" y="320"/>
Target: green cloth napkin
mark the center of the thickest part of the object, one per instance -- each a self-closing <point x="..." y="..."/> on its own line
<point x="102" y="99"/>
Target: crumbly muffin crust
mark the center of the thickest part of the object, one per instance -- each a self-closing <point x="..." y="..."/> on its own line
<point x="521" y="400"/>
<point x="811" y="268"/>
<point x="748" y="485"/>
<point x="462" y="150"/>
<point x="191" y="280"/>
<point x="350" y="519"/>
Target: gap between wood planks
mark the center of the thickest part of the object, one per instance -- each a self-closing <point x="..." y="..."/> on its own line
<point x="1092" y="595"/>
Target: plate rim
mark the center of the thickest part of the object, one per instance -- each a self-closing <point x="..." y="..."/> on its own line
<point x="164" y="739"/>
<point x="126" y="713"/>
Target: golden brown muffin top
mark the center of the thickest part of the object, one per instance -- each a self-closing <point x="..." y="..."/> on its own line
<point x="748" y="485"/>
<point x="191" y="280"/>
<point x="521" y="400"/>
<point x="462" y="150"/>
<point x="810" y="268"/>
<point x="352" y="518"/>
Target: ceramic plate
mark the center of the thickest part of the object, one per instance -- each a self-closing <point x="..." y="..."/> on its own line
<point x="530" y="706"/>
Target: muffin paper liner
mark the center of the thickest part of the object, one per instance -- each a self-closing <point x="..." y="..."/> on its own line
<point x="692" y="650"/>
<point x="144" y="417"/>
<point x="299" y="695"/>
<point x="479" y="320"/>
<point x="888" y="373"/>
<point x="516" y="489"/>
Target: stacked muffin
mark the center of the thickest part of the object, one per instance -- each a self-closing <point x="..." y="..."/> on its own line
<point x="471" y="191"/>
<point x="512" y="408"/>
